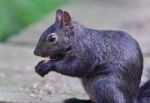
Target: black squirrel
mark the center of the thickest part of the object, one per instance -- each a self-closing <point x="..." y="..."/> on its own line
<point x="108" y="62"/>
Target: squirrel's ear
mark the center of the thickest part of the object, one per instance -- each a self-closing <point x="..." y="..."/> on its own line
<point x="59" y="14"/>
<point x="66" y="18"/>
<point x="63" y="17"/>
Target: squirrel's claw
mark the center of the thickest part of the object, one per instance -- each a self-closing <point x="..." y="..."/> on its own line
<point x="42" y="68"/>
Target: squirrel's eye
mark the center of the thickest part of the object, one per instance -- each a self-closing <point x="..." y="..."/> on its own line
<point x="52" y="38"/>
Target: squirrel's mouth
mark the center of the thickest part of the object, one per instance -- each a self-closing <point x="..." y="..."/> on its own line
<point x="57" y="56"/>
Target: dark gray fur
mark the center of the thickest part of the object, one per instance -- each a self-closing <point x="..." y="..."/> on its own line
<point x="108" y="62"/>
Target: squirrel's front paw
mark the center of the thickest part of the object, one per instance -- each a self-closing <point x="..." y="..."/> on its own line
<point x="43" y="68"/>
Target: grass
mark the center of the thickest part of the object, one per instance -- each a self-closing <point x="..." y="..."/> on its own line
<point x="17" y="14"/>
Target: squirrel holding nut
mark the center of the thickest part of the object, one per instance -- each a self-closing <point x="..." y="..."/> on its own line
<point x="108" y="62"/>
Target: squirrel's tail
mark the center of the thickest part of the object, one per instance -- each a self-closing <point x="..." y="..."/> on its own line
<point x="144" y="93"/>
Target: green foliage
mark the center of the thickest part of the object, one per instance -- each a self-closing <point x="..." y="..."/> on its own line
<point x="16" y="14"/>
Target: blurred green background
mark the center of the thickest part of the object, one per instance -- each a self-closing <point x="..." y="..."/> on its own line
<point x="17" y="14"/>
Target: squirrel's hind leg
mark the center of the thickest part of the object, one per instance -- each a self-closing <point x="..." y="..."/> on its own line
<point x="75" y="100"/>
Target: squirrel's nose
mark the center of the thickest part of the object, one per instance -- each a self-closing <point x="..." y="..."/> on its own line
<point x="36" y="53"/>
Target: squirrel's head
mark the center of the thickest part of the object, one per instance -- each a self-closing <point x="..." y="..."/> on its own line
<point x="55" y="41"/>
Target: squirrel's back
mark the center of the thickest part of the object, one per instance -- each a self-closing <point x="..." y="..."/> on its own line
<point x="108" y="45"/>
